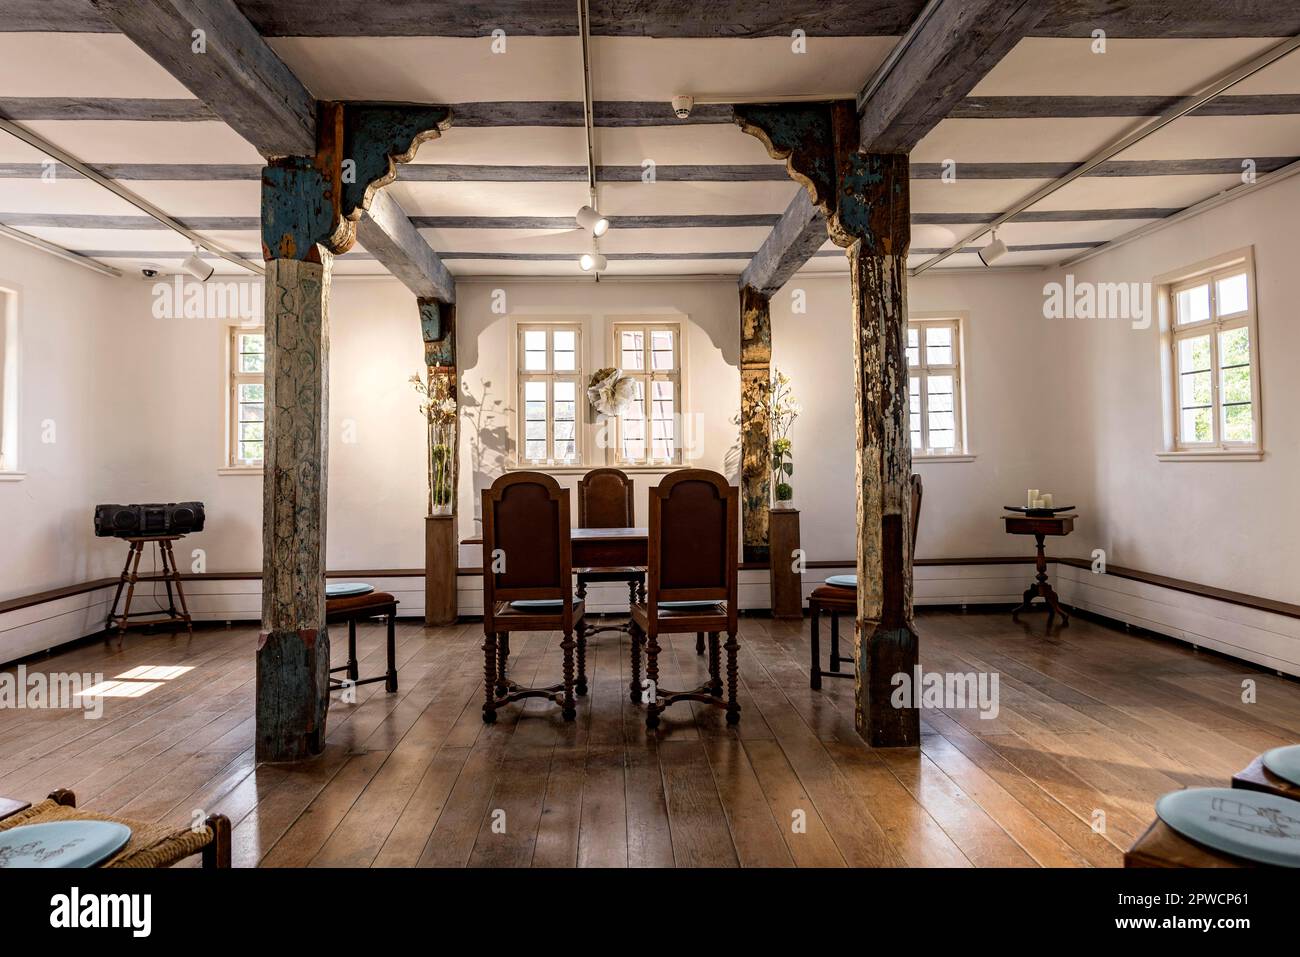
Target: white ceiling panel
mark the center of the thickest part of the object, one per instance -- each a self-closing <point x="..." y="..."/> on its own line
<point x="1205" y="137"/>
<point x="61" y="195"/>
<point x="82" y="65"/>
<point x="1126" y="192"/>
<point x="465" y="70"/>
<point x="615" y="199"/>
<point x="1020" y="141"/>
<point x="1042" y="66"/>
<point x="125" y="141"/>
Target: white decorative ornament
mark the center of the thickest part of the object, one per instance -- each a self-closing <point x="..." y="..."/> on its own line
<point x="611" y="393"/>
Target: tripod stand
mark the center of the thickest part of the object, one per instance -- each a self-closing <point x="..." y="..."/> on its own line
<point x="130" y="576"/>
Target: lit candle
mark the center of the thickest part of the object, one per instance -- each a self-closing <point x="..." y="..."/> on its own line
<point x="1047" y="500"/>
<point x="1033" y="497"/>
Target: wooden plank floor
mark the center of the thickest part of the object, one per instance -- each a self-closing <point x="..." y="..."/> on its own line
<point x="1094" y="724"/>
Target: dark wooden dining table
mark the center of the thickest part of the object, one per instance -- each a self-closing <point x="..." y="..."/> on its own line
<point x="603" y="547"/>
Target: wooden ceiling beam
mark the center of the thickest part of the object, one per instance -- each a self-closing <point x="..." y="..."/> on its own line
<point x="241" y="79"/>
<point x="949" y="49"/>
<point x="1155" y="19"/>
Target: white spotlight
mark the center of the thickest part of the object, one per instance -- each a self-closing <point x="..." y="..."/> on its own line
<point x="993" y="251"/>
<point x="590" y="261"/>
<point x="592" y="221"/>
<point x="196" y="267"/>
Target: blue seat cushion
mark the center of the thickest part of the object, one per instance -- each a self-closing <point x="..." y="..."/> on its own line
<point x="346" y="589"/>
<point x="683" y="605"/>
<point x="538" y="604"/>
<point x="843" y="581"/>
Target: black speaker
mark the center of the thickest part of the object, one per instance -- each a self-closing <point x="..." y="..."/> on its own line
<point x="133" y="521"/>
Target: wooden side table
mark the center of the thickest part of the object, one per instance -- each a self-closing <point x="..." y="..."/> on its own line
<point x="1040" y="527"/>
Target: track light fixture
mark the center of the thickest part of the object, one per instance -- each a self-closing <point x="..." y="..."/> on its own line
<point x="993" y="251"/>
<point x="196" y="267"/>
<point x="592" y="221"/>
<point x="593" y="262"/>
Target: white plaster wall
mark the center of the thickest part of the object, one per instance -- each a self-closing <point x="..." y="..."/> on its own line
<point x="711" y="387"/>
<point x="1233" y="525"/>
<point x="66" y="318"/>
<point x="1017" y="381"/>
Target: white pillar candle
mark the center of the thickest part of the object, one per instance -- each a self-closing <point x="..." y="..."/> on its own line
<point x="1033" y="497"/>
<point x="1047" y="500"/>
<point x="1038" y="503"/>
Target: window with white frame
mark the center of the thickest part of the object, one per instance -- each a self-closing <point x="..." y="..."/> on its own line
<point x="1215" y="358"/>
<point x="650" y="354"/>
<point x="934" y="387"/>
<point x="246" y="426"/>
<point x="551" y="394"/>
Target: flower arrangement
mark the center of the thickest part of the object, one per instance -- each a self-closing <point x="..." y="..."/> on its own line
<point x="782" y="410"/>
<point x="440" y="411"/>
<point x="610" y="392"/>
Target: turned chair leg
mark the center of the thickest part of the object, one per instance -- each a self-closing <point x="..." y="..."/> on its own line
<point x="715" y="664"/>
<point x="489" y="677"/>
<point x="580" y="687"/>
<point x="733" y="706"/>
<point x="503" y="660"/>
<point x="634" y="686"/>
<point x="699" y="642"/>
<point x="652" y="675"/>
<point x="570" y="706"/>
<point x="835" y="641"/>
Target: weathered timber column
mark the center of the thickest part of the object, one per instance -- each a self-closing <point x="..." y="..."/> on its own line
<point x="441" y="543"/>
<point x="864" y="198"/>
<point x="755" y="429"/>
<point x="293" y="653"/>
<point x="873" y="221"/>
<point x="310" y="207"/>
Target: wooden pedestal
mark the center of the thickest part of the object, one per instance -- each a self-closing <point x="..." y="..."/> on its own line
<point x="786" y="581"/>
<point x="440" y="560"/>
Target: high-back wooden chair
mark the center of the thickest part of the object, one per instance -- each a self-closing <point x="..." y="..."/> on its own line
<point x="605" y="500"/>
<point x="691" y="567"/>
<point x="527" y="583"/>
<point x="839" y="596"/>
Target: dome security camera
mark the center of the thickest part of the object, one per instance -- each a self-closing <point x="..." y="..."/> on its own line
<point x="149" y="271"/>
<point x="682" y="106"/>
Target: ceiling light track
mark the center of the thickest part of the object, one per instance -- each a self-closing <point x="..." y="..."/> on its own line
<point x="1180" y="109"/>
<point x="67" y="159"/>
<point x="36" y="242"/>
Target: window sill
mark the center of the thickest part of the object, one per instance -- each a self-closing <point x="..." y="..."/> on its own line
<point x="1213" y="455"/>
<point x="240" y="470"/>
<point x="943" y="458"/>
<point x="583" y="469"/>
<point x="12" y="476"/>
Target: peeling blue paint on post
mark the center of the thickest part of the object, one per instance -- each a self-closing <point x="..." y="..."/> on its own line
<point x="800" y="134"/>
<point x="297" y="213"/>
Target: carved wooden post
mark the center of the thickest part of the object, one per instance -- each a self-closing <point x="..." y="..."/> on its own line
<point x="441" y="548"/>
<point x="309" y="210"/>
<point x="865" y="200"/>
<point x="873" y="222"/>
<point x="755" y="429"/>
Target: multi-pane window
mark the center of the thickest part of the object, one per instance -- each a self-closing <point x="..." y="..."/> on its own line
<point x="247" y="397"/>
<point x="650" y="355"/>
<point x="550" y="394"/>
<point x="934" y="387"/>
<point x="1215" y="362"/>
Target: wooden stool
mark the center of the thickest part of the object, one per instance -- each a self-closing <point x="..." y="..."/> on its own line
<point x="352" y="609"/>
<point x="834" y="601"/>
<point x="1256" y="777"/>
<point x="1161" y="846"/>
<point x="130" y="577"/>
<point x="151" y="845"/>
